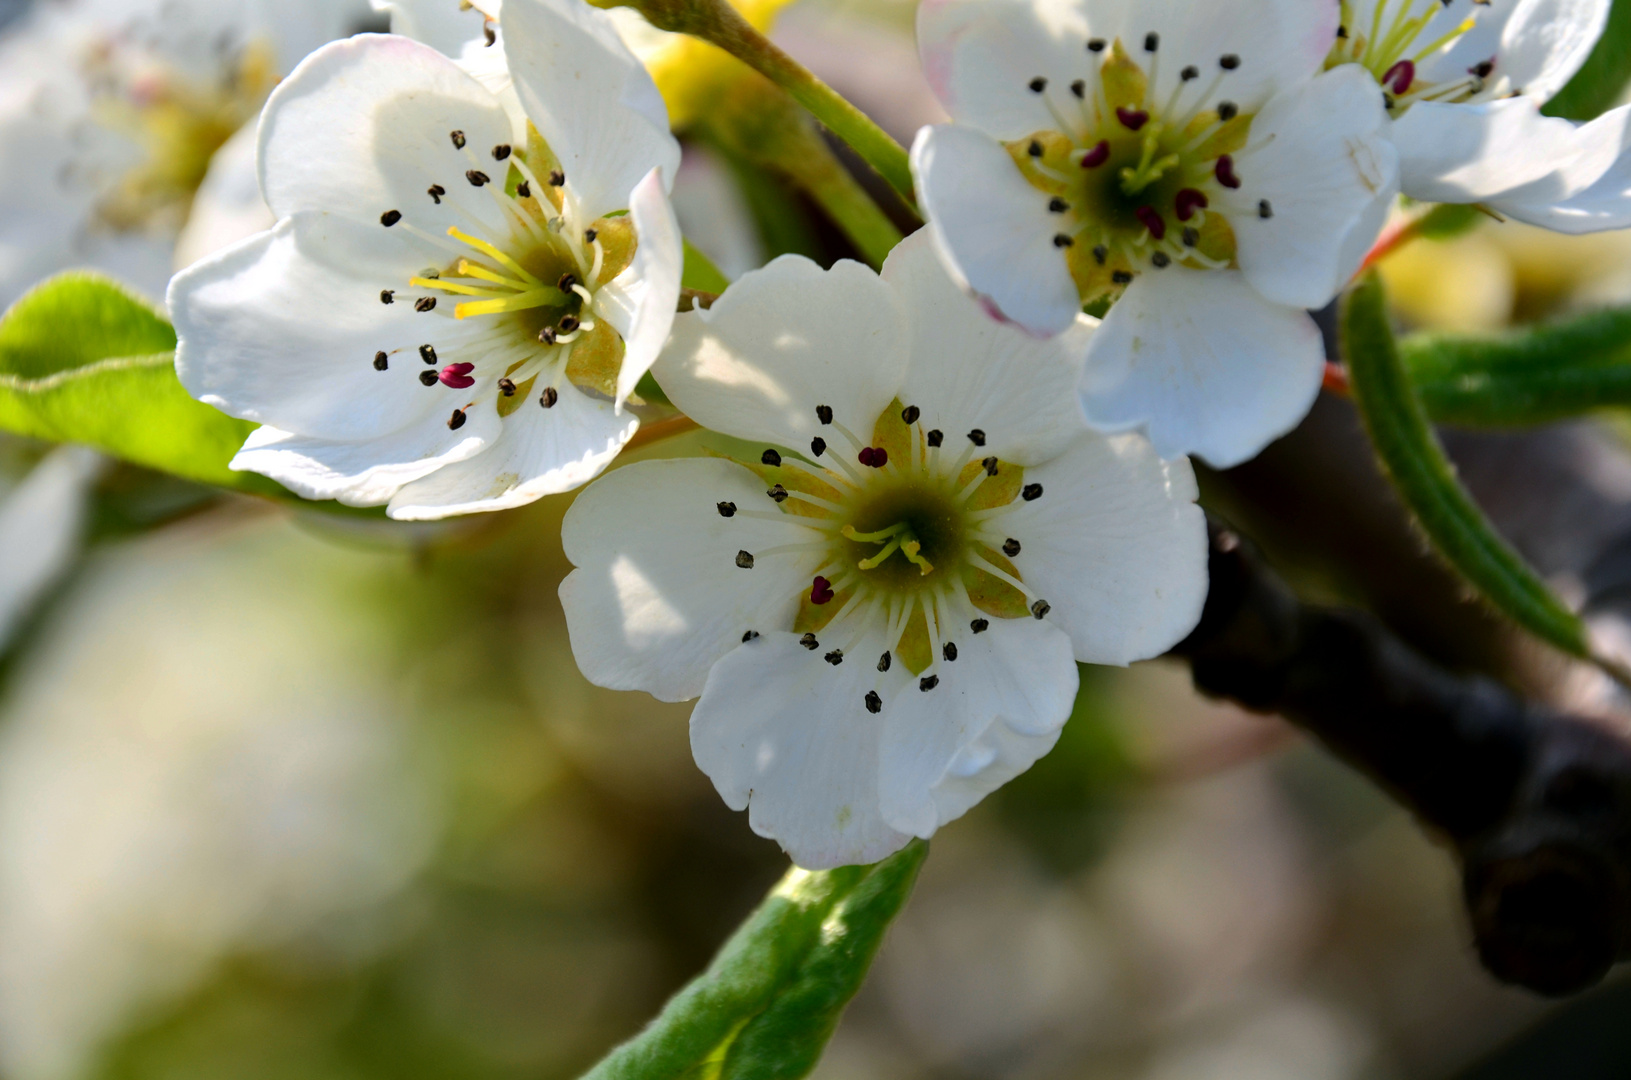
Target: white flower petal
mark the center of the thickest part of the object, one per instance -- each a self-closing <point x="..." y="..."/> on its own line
<point x="996" y="709"/>
<point x="444" y="25"/>
<point x="979" y="55"/>
<point x="1117" y="547"/>
<point x="1204" y="364"/>
<point x="534" y="452"/>
<point x="364" y="126"/>
<point x="1588" y="192"/>
<point x="272" y="332"/>
<point x="1280" y="43"/>
<point x="360" y="473"/>
<point x="782" y="341"/>
<point x="1545" y="42"/>
<point x="970" y="371"/>
<point x="1604" y="205"/>
<point x="1326" y="167"/>
<point x="657" y="597"/>
<point x="591" y="99"/>
<point x="993" y="229"/>
<point x="640" y="302"/>
<point x="1474" y="153"/>
<point x="787" y="737"/>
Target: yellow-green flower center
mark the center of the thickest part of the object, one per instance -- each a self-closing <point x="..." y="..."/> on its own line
<point x="906" y="537"/>
<point x="1135" y="180"/>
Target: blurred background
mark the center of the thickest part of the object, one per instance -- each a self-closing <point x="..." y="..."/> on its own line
<point x="298" y="796"/>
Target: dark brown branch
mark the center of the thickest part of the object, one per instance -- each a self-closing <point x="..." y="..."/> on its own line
<point x="1537" y="804"/>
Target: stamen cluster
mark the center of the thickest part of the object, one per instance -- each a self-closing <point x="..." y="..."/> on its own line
<point x="907" y="536"/>
<point x="1130" y="178"/>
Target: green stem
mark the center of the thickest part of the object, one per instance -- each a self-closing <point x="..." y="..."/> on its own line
<point x="718" y="23"/>
<point x="761" y="123"/>
<point x="847" y="203"/>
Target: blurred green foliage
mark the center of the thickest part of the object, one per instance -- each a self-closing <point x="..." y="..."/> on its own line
<point x="1530" y="376"/>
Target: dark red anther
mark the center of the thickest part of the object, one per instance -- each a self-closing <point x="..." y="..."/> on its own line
<point x="1152" y="221"/>
<point x="1226" y="172"/>
<point x="457" y="376"/>
<point x="1189" y="200"/>
<point x="1132" y="119"/>
<point x="1097" y="156"/>
<point x="821" y="591"/>
<point x="1400" y="76"/>
<point x="875" y="456"/>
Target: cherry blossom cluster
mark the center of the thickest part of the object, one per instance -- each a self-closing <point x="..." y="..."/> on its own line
<point x="944" y="485"/>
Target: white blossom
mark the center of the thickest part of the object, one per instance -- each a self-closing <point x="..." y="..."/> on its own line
<point x="110" y="113"/>
<point x="453" y="306"/>
<point x="1465" y="81"/>
<point x="1191" y="163"/>
<point x="883" y="604"/>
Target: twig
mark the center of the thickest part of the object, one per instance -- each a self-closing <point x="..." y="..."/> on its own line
<point x="1536" y="803"/>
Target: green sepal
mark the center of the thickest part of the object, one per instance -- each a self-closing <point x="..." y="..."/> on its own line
<point x="1413" y="459"/>
<point x="769" y="1002"/>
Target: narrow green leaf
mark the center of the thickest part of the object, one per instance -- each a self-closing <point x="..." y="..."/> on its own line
<point x="1532" y="376"/>
<point x="770" y="1000"/>
<point x="1425" y="479"/>
<point x="1602" y="79"/>
<point x="785" y="1041"/>
<point x="83" y="360"/>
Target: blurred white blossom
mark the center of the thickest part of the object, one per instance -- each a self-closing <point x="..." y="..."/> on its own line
<point x="110" y="114"/>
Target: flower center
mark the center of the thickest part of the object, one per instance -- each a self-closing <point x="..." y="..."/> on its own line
<point x="179" y="124"/>
<point x="1389" y="47"/>
<point x="906" y="540"/>
<point x="522" y="320"/>
<point x="1131" y="178"/>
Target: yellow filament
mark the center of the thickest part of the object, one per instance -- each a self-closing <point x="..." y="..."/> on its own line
<point x="1467" y="24"/>
<point x="476" y="270"/>
<point x="532" y="298"/>
<point x="492" y="252"/>
<point x="449" y="286"/>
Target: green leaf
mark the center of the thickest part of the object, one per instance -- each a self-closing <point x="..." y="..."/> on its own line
<point x="700" y="273"/>
<point x="1531" y="376"/>
<point x="769" y="1002"/>
<point x="1602" y="79"/>
<point x="83" y="360"/>
<point x="1414" y="460"/>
